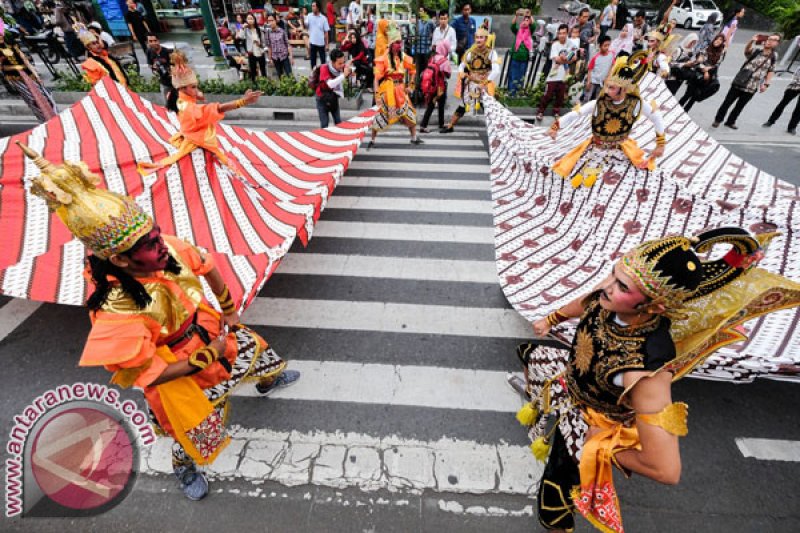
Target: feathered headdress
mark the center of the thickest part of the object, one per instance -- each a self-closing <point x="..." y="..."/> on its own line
<point x="182" y="73"/>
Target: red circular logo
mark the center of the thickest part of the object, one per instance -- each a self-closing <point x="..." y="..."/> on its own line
<point x="84" y="458"/>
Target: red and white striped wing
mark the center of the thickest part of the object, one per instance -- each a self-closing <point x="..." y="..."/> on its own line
<point x="247" y="222"/>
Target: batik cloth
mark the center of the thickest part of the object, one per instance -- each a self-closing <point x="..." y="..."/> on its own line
<point x="394" y="102"/>
<point x="552" y="239"/>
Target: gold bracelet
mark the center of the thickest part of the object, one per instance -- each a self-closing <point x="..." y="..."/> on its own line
<point x="555" y="318"/>
<point x="661" y="139"/>
<point x="555" y="126"/>
<point x="203" y="357"/>
<point x="240" y="103"/>
<point x="226" y="302"/>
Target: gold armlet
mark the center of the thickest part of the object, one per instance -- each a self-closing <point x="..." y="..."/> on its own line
<point x="661" y="139"/>
<point x="240" y="103"/>
<point x="226" y="302"/>
<point x="202" y="357"/>
<point x="555" y="126"/>
<point x="555" y="318"/>
<point x="671" y="419"/>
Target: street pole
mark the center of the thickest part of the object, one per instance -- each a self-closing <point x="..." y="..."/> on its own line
<point x="452" y="9"/>
<point x="213" y="36"/>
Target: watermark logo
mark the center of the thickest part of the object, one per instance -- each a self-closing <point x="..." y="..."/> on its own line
<point x="74" y="451"/>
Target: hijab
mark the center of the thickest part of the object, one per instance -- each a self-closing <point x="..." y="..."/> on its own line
<point x="620" y="44"/>
<point x="524" y="37"/>
<point x="706" y="33"/>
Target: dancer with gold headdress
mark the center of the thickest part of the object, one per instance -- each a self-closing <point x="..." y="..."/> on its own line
<point x="613" y="115"/>
<point x="22" y="76"/>
<point x="198" y="121"/>
<point x="99" y="63"/>
<point x="478" y="74"/>
<point x="152" y="325"/>
<point x="395" y="74"/>
<point x="606" y="401"/>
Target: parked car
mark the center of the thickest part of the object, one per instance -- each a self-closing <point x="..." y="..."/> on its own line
<point x="573" y="7"/>
<point x="650" y="8"/>
<point x="694" y="13"/>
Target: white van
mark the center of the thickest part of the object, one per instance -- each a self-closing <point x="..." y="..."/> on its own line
<point x="694" y="13"/>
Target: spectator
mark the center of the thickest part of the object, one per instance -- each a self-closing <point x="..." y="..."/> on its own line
<point x="465" y="28"/>
<point x="104" y="36"/>
<point x="683" y="63"/>
<point x="370" y="23"/>
<point x="730" y="25"/>
<point x="599" y="67"/>
<point x="99" y="63"/>
<point x="65" y="21"/>
<point x="587" y="30"/>
<point x="444" y="32"/>
<point x="254" y="45"/>
<point x="792" y="92"/>
<point x="296" y="27"/>
<point x="318" y="29"/>
<point x="522" y="27"/>
<point x="440" y="71"/>
<point x="238" y="33"/>
<point x="640" y="29"/>
<point x="755" y="75"/>
<point x="330" y="14"/>
<point x="277" y="42"/>
<point x="624" y="41"/>
<point x="556" y="87"/>
<point x="158" y="59"/>
<point x="137" y="25"/>
<point x="707" y="33"/>
<point x="330" y="88"/>
<point x="359" y="57"/>
<point x="354" y="16"/>
<point x="705" y="83"/>
<point x="608" y="18"/>
<point x="423" y="45"/>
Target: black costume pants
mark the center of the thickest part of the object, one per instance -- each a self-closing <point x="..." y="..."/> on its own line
<point x="788" y="96"/>
<point x="554" y="502"/>
<point x="737" y="95"/>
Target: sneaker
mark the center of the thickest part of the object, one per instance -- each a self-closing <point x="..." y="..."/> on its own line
<point x="424" y="130"/>
<point x="792" y="131"/>
<point x="732" y="126"/>
<point x="370" y="145"/>
<point x="518" y="384"/>
<point x="539" y="117"/>
<point x="194" y="484"/>
<point x="417" y="141"/>
<point x="287" y="378"/>
<point x="767" y="124"/>
<point x="446" y="129"/>
<point x="715" y="124"/>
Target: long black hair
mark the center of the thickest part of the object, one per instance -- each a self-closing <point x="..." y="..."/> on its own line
<point x="172" y="100"/>
<point x="102" y="268"/>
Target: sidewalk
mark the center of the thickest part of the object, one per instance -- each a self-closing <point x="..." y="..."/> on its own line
<point x="750" y="131"/>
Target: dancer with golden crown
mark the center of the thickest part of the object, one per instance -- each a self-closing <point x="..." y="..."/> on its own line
<point x="198" y="121"/>
<point x="606" y="401"/>
<point x="152" y="325"/>
<point x="99" y="63"/>
<point x="478" y="74"/>
<point x="613" y="116"/>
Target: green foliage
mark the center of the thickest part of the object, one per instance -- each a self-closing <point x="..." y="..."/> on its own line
<point x="788" y="20"/>
<point x="525" y="97"/>
<point x="480" y="7"/>
<point x="69" y="82"/>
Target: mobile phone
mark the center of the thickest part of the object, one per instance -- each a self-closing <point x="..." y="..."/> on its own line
<point x="760" y="38"/>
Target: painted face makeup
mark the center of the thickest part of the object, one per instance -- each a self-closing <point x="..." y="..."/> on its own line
<point x="150" y="253"/>
<point x="622" y="295"/>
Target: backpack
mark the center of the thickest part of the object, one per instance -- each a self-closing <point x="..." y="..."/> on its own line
<point x="429" y="83"/>
<point x="313" y="80"/>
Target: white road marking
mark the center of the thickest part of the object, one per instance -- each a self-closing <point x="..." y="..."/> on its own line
<point x="430" y="168"/>
<point x="356" y="460"/>
<point x="367" y="266"/>
<point x="405" y="232"/>
<point x="770" y="449"/>
<point x="427" y="205"/>
<point x="14" y="313"/>
<point x="459" y="154"/>
<point x="413" y="183"/>
<point x="387" y="317"/>
<point x="406" y="385"/>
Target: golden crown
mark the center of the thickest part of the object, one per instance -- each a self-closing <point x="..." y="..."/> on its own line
<point x="182" y="73"/>
<point x="105" y="222"/>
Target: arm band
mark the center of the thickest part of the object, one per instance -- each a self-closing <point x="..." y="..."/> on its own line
<point x="202" y="357"/>
<point x="555" y="318"/>
<point x="226" y="302"/>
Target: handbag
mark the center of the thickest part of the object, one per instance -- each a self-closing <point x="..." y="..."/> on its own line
<point x="742" y="78"/>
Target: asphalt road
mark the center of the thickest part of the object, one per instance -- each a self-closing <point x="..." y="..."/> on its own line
<point x="720" y="491"/>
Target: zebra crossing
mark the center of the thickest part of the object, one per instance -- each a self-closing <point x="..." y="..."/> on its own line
<point x="393" y="308"/>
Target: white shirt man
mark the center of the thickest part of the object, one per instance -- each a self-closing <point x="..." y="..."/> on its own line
<point x="318" y="29"/>
<point x="440" y="34"/>
<point x="354" y="13"/>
